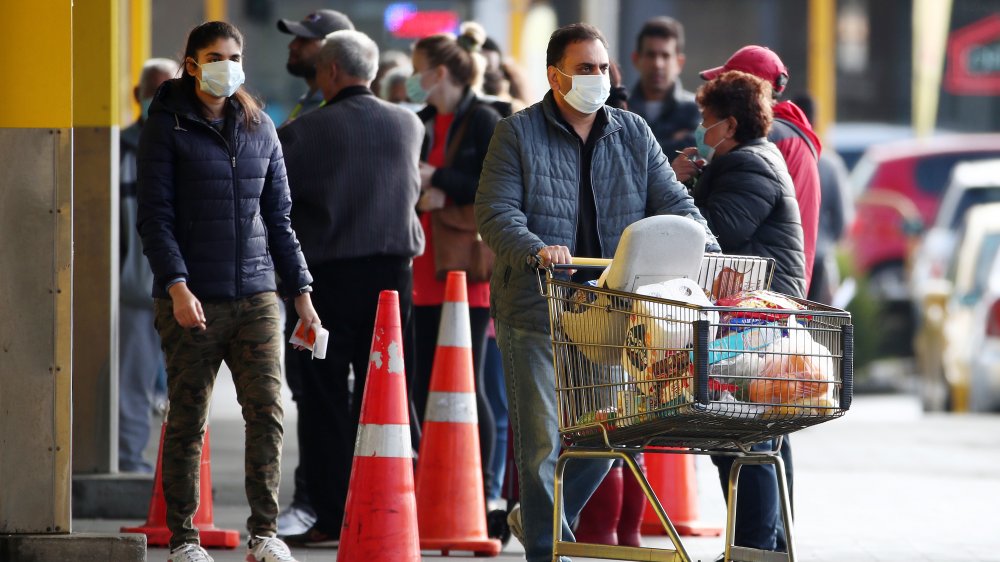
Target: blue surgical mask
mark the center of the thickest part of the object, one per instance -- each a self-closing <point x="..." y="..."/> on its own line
<point x="144" y="104"/>
<point x="221" y="78"/>
<point x="704" y="150"/>
<point x="415" y="90"/>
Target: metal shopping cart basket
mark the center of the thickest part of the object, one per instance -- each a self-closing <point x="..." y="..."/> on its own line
<point x="635" y="371"/>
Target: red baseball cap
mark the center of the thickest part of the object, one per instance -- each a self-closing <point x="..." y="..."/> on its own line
<point x="754" y="59"/>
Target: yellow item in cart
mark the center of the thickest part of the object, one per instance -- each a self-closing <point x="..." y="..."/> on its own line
<point x="809" y="406"/>
<point x="596" y="327"/>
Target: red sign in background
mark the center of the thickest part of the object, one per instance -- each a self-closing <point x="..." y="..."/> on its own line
<point x="974" y="59"/>
<point x="405" y="21"/>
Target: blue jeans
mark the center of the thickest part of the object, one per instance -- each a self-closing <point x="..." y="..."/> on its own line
<point x="139" y="365"/>
<point x="497" y="396"/>
<point x="531" y="400"/>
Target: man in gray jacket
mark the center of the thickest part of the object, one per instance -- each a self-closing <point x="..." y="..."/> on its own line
<point x="354" y="199"/>
<point x="562" y="178"/>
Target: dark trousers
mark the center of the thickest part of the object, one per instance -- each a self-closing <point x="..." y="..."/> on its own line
<point x="345" y="295"/>
<point x="293" y="376"/>
<point x="425" y="331"/>
<point x="758" y="511"/>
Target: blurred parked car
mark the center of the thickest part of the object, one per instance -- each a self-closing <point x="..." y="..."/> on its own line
<point x="900" y="188"/>
<point x="984" y="369"/>
<point x="972" y="183"/>
<point x="852" y="138"/>
<point x="959" y="340"/>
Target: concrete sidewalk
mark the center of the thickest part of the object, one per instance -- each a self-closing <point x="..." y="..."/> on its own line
<point x="884" y="483"/>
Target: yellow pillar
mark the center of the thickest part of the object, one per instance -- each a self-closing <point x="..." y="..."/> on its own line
<point x="36" y="114"/>
<point x="95" y="236"/>
<point x="44" y="100"/>
<point x="215" y="10"/>
<point x="517" y="10"/>
<point x="822" y="62"/>
<point x="139" y="48"/>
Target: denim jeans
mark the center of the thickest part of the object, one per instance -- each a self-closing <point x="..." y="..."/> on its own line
<point x="139" y="364"/>
<point x="758" y="509"/>
<point x="531" y="401"/>
<point x="497" y="395"/>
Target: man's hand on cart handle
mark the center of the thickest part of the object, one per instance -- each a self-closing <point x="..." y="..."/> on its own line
<point x="554" y="255"/>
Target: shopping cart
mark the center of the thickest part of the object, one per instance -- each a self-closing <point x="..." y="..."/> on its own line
<point x="636" y="373"/>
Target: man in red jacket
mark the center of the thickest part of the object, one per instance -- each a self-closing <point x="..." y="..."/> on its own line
<point x="791" y="132"/>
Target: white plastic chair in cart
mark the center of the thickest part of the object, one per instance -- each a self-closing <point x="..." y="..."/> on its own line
<point x="635" y="372"/>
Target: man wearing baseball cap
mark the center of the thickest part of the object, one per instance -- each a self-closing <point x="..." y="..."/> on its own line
<point x="309" y="34"/>
<point x="792" y="133"/>
<point x="302" y="55"/>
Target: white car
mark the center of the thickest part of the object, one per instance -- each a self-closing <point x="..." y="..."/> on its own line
<point x="972" y="183"/>
<point x="970" y="357"/>
<point x="984" y="388"/>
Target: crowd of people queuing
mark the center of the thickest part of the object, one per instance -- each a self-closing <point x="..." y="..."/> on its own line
<point x="235" y="214"/>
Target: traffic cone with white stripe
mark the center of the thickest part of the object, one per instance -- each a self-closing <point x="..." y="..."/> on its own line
<point x="380" y="519"/>
<point x="155" y="528"/>
<point x="451" y="506"/>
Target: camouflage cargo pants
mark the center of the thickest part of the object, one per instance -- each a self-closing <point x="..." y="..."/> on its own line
<point x="247" y="335"/>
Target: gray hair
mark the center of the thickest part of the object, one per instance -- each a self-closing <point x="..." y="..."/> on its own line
<point x="392" y="77"/>
<point x="352" y="51"/>
<point x="157" y="66"/>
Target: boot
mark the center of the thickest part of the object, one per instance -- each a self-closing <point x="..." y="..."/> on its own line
<point x="598" y="522"/>
<point x="633" y="507"/>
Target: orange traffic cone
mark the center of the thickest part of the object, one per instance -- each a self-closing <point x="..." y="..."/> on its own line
<point x="155" y="529"/>
<point x="672" y="478"/>
<point x="380" y="519"/>
<point x="451" y="506"/>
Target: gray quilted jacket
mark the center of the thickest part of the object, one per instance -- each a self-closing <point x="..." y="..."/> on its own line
<point x="527" y="197"/>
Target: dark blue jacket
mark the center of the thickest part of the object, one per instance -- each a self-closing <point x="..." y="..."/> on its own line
<point x="748" y="199"/>
<point x="214" y="206"/>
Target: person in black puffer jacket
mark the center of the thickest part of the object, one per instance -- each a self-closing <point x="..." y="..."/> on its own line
<point x="747" y="197"/>
<point x="745" y="192"/>
<point x="213" y="213"/>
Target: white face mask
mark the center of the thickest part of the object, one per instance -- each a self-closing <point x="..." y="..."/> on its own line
<point x="222" y="78"/>
<point x="589" y="91"/>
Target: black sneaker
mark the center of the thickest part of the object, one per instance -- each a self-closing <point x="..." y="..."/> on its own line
<point x="313" y="538"/>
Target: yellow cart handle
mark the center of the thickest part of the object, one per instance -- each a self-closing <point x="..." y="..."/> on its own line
<point x="592" y="261"/>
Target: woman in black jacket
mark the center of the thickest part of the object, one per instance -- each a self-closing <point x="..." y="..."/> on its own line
<point x="213" y="215"/>
<point x="459" y="126"/>
<point x="746" y="195"/>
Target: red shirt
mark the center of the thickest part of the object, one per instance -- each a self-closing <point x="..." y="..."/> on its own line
<point x="427" y="290"/>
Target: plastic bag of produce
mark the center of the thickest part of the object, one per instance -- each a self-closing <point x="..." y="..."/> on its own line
<point x="794" y="367"/>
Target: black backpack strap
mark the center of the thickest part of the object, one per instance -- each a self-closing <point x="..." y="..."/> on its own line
<point x="795" y="128"/>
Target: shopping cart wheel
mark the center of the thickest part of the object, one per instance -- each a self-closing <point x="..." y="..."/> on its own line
<point x="496" y="525"/>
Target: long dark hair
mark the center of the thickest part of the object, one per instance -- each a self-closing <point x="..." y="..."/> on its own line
<point x="203" y="36"/>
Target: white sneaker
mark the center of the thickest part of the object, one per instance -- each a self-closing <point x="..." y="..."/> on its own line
<point x="295" y="521"/>
<point x="514" y="523"/>
<point x="189" y="552"/>
<point x="268" y="549"/>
